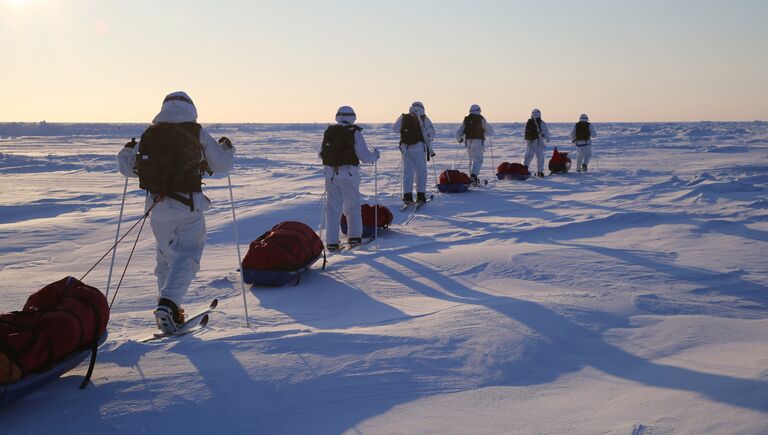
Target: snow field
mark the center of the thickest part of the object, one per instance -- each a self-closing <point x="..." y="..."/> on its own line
<point x="630" y="299"/>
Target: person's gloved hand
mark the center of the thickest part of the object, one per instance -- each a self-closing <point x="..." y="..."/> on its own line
<point x="376" y="154"/>
<point x="132" y="143"/>
<point x="461" y="140"/>
<point x="225" y="142"/>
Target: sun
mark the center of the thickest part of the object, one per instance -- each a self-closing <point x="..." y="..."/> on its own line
<point x="17" y="3"/>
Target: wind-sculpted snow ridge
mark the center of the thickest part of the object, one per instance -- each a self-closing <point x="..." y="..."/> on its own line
<point x="629" y="299"/>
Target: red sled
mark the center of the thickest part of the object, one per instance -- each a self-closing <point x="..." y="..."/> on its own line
<point x="453" y="181"/>
<point x="281" y="255"/>
<point x="59" y="326"/>
<point x="560" y="163"/>
<point x="370" y="220"/>
<point x="512" y="171"/>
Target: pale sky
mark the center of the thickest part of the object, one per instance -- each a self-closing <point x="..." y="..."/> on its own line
<point x="298" y="60"/>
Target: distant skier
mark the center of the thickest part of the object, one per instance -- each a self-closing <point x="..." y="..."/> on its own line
<point x="169" y="161"/>
<point x="536" y="137"/>
<point x="472" y="132"/>
<point x="416" y="135"/>
<point x="581" y="135"/>
<point x="342" y="150"/>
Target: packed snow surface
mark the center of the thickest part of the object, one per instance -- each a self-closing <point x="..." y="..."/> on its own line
<point x="630" y="299"/>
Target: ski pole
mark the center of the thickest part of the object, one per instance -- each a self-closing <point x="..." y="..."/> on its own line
<point x="493" y="161"/>
<point x="376" y="204"/>
<point x="434" y="171"/>
<point x="458" y="150"/>
<point x="237" y="244"/>
<point x="398" y="175"/>
<point x="323" y="217"/>
<point x="117" y="233"/>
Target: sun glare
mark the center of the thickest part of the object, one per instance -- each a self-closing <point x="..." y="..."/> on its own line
<point x="20" y="3"/>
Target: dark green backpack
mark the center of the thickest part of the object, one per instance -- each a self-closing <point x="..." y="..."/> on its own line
<point x="410" y="129"/>
<point x="339" y="145"/>
<point x="171" y="160"/>
<point x="473" y="127"/>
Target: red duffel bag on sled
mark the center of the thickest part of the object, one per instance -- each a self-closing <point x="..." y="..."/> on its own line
<point x="281" y="255"/>
<point x="55" y="331"/>
<point x="453" y="181"/>
<point x="560" y="163"/>
<point x="512" y="171"/>
<point x="370" y="220"/>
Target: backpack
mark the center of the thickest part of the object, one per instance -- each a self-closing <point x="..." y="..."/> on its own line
<point x="410" y="129"/>
<point x="582" y="130"/>
<point x="339" y="145"/>
<point x="171" y="160"/>
<point x="473" y="127"/>
<point x="532" y="129"/>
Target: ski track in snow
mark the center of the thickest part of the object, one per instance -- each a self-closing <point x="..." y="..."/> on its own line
<point x="631" y="299"/>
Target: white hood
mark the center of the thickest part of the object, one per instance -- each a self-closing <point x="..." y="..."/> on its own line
<point x="346" y="115"/>
<point x="177" y="107"/>
<point x="417" y="108"/>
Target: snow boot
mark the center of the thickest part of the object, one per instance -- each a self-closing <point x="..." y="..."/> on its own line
<point x="168" y="316"/>
<point x="333" y="247"/>
<point x="584" y="168"/>
<point x="408" y="198"/>
<point x="421" y="197"/>
<point x="540" y="174"/>
<point x="474" y="179"/>
<point x="355" y="241"/>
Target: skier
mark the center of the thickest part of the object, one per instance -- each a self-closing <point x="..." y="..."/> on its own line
<point x="536" y="136"/>
<point x="169" y="161"/>
<point x="342" y="150"/>
<point x="416" y="135"/>
<point x="581" y="136"/>
<point x="473" y="130"/>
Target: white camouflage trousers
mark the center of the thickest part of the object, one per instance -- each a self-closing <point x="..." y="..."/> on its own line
<point x="342" y="196"/>
<point x="583" y="155"/>
<point x="180" y="244"/>
<point x="475" y="150"/>
<point x="414" y="163"/>
<point x="535" y="147"/>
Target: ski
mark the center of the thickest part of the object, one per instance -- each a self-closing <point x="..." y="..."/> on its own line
<point x="192" y="324"/>
<point x="365" y="241"/>
<point x="405" y="207"/>
<point x="348" y="247"/>
<point x="419" y="205"/>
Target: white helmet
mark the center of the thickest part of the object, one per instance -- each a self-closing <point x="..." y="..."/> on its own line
<point x="535" y="113"/>
<point x="474" y="109"/>
<point x="346" y="115"/>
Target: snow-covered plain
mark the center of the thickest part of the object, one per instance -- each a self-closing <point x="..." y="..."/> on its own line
<point x="631" y="299"/>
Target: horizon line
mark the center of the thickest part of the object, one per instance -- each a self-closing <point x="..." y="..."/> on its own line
<point x="388" y="122"/>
